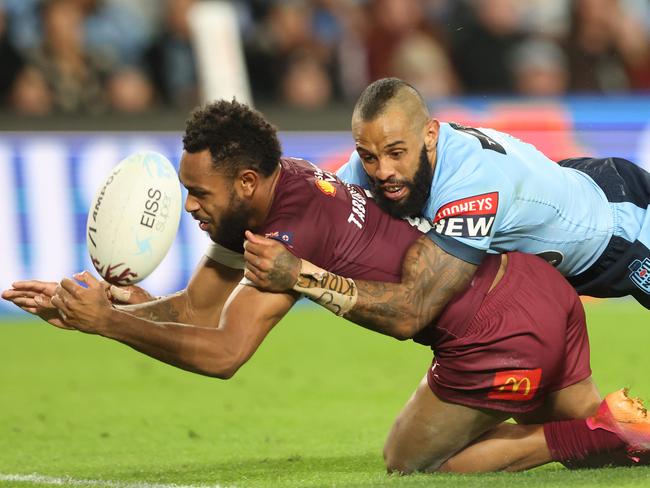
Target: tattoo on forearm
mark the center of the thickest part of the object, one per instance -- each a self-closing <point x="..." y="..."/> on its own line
<point x="286" y="267"/>
<point x="430" y="279"/>
<point x="165" y="309"/>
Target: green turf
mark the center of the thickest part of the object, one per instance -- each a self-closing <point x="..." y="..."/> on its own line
<point x="312" y="408"/>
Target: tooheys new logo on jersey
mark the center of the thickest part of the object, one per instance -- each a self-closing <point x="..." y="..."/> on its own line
<point x="467" y="217"/>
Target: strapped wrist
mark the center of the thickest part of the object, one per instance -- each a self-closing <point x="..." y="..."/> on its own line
<point x="335" y="293"/>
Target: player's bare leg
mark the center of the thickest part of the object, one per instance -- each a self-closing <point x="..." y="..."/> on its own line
<point x="516" y="447"/>
<point x="580" y="430"/>
<point x="428" y="431"/>
<point x="577" y="401"/>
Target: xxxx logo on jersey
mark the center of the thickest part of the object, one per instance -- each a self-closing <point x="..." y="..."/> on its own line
<point x="467" y="217"/>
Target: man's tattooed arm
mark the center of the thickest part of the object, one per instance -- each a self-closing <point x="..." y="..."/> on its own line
<point x="171" y="308"/>
<point x="430" y="279"/>
<point x="199" y="304"/>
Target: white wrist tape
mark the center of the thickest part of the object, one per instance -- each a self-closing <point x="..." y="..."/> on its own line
<point x="335" y="293"/>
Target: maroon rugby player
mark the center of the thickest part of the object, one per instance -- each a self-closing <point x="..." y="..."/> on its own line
<point x="513" y="344"/>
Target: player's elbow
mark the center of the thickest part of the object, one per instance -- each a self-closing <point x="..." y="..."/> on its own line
<point x="224" y="366"/>
<point x="222" y="374"/>
<point x="220" y="371"/>
<point x="402" y="332"/>
<point x="409" y="326"/>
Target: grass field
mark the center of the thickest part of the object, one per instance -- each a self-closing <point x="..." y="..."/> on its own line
<point x="312" y="408"/>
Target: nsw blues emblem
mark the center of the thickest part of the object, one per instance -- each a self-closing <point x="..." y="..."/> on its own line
<point x="640" y="275"/>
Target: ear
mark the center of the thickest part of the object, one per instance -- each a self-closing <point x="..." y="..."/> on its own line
<point x="432" y="130"/>
<point x="246" y="183"/>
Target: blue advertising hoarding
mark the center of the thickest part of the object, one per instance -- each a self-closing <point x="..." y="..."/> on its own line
<point x="47" y="180"/>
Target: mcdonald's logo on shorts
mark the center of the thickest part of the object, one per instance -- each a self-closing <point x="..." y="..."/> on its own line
<point x="518" y="385"/>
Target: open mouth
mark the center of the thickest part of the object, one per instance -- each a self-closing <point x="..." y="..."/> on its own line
<point x="394" y="192"/>
<point x="203" y="223"/>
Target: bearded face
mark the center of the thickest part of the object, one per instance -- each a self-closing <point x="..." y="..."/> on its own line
<point x="228" y="229"/>
<point x="418" y="190"/>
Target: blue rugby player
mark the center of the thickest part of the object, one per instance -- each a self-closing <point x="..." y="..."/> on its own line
<point x="477" y="191"/>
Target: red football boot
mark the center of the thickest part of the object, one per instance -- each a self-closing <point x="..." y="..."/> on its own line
<point x="627" y="418"/>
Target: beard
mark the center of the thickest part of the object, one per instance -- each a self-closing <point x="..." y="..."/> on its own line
<point x="419" y="190"/>
<point x="230" y="229"/>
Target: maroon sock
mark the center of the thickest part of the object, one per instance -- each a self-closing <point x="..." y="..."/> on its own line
<point x="572" y="440"/>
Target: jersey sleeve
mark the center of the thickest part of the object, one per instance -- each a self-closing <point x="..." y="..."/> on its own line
<point x="301" y="234"/>
<point x="353" y="172"/>
<point x="298" y="233"/>
<point x="471" y="208"/>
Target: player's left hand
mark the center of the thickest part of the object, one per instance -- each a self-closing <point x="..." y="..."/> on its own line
<point x="269" y="265"/>
<point x="84" y="308"/>
<point x="129" y="295"/>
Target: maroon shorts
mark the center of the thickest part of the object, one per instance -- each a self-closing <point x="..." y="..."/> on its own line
<point x="523" y="340"/>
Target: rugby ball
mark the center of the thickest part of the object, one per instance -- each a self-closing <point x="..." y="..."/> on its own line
<point x="133" y="218"/>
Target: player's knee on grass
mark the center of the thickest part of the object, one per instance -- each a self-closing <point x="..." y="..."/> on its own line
<point x="401" y="454"/>
<point x="428" y="431"/>
<point x="404" y="461"/>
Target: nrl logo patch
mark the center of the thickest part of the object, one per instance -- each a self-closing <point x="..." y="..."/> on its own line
<point x="640" y="275"/>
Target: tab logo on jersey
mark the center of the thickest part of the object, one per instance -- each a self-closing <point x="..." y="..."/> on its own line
<point x="285" y="238"/>
<point x="517" y="385"/>
<point x="468" y="217"/>
<point x="326" y="187"/>
<point x="641" y="274"/>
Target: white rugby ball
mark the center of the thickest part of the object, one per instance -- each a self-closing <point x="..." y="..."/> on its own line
<point x="134" y="217"/>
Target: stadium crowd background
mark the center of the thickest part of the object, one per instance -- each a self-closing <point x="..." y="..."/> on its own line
<point x="131" y="56"/>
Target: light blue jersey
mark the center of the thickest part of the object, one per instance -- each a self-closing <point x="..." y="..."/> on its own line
<point x="494" y="193"/>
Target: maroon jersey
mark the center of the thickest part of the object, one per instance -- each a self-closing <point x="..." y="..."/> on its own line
<point x="335" y="225"/>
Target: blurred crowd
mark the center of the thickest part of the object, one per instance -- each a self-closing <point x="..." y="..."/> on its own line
<point x="96" y="56"/>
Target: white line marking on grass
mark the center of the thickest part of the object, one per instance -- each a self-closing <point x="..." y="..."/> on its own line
<point x="68" y="481"/>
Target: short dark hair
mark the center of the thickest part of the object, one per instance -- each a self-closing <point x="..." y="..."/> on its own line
<point x="237" y="137"/>
<point x="374" y="98"/>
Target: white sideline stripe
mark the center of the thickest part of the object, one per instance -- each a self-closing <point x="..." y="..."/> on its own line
<point x="68" y="481"/>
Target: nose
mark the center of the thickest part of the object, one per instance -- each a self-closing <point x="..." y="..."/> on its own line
<point x="384" y="170"/>
<point x="191" y="205"/>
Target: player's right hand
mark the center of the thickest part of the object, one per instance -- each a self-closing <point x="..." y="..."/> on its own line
<point x="34" y="296"/>
<point x="269" y="265"/>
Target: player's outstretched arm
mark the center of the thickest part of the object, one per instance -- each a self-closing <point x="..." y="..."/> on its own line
<point x="212" y="351"/>
<point x="430" y="279"/>
<point x="198" y="304"/>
